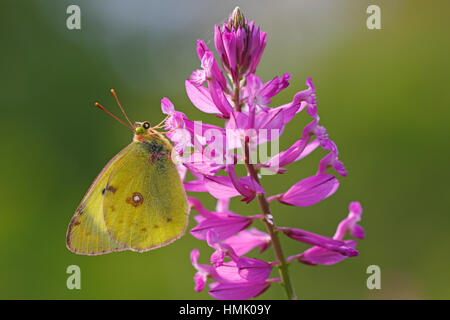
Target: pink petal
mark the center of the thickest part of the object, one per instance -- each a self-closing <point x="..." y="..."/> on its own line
<point x="247" y="186"/>
<point x="246" y="240"/>
<point x="225" y="225"/>
<point x="310" y="147"/>
<point x="253" y="269"/>
<point x="167" y="106"/>
<point x="309" y="191"/>
<point x="228" y="272"/>
<point x="322" y="256"/>
<point x="220" y="187"/>
<point x="221" y="224"/>
<point x="222" y="204"/>
<point x="218" y="42"/>
<point x="200" y="98"/>
<point x="229" y="42"/>
<point x="349" y="224"/>
<point x="238" y="290"/>
<point x="200" y="281"/>
<point x="219" y="98"/>
<point x="195" y="186"/>
<point x="319" y="240"/>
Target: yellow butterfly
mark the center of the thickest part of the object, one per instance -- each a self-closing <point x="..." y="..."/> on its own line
<point x="137" y="202"/>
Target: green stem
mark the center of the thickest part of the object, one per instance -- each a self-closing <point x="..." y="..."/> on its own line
<point x="236" y="98"/>
<point x="270" y="226"/>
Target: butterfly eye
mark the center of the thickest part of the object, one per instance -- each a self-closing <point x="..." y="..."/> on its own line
<point x="146" y="125"/>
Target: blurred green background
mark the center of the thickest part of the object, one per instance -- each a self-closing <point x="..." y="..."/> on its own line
<point x="383" y="96"/>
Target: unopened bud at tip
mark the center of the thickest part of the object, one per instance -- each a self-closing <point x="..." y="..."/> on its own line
<point x="237" y="18"/>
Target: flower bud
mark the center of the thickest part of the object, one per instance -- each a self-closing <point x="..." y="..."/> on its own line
<point x="236" y="19"/>
<point x="240" y="45"/>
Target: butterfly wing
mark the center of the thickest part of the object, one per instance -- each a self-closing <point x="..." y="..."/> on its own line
<point x="145" y="204"/>
<point x="87" y="233"/>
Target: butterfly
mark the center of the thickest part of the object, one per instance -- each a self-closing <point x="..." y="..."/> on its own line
<point x="137" y="202"/>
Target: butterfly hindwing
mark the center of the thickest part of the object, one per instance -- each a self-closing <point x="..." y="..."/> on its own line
<point x="144" y="204"/>
<point x="87" y="233"/>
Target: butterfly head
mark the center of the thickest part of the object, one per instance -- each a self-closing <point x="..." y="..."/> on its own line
<point x="141" y="128"/>
<point x="143" y="131"/>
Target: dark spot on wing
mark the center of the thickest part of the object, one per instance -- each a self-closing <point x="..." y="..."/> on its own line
<point x="169" y="219"/>
<point x="111" y="188"/>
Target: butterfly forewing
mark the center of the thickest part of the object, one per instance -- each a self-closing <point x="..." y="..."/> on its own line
<point x="144" y="203"/>
<point x="87" y="233"/>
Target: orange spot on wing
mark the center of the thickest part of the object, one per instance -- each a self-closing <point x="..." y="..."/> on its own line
<point x="135" y="200"/>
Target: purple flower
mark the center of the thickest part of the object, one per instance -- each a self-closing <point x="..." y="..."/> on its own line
<point x="237" y="288"/>
<point x="259" y="94"/>
<point x="324" y="255"/>
<point x="225" y="223"/>
<point x="203" y="271"/>
<point x="239" y="44"/>
<point x="202" y="163"/>
<point x="309" y="191"/>
<point x="186" y="132"/>
<point x="297" y="151"/>
<point x="331" y="160"/>
<point x="242" y="290"/>
<point x="349" y="224"/>
<point x="237" y="279"/>
<point x="222" y="250"/>
<point x="247" y="186"/>
<point x="217" y="85"/>
<point x="247" y="268"/>
<point x="303" y="146"/>
<point x="200" y="97"/>
<point x="305" y="98"/>
<point x="225" y="187"/>
<point x="210" y="69"/>
<point x="247" y="240"/>
<point x="229" y="284"/>
<point x="320" y="241"/>
<point x="259" y="127"/>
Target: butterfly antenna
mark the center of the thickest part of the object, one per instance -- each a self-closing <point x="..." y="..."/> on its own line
<point x="103" y="108"/>
<point x="120" y="106"/>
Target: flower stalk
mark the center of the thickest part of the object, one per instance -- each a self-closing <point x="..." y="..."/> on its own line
<point x="269" y="223"/>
